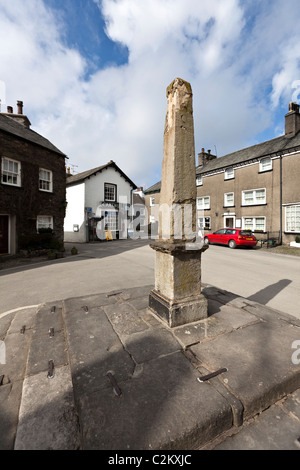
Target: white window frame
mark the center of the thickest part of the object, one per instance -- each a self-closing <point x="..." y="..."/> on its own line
<point x="152" y="201"/>
<point x="46" y="181"/>
<point x="42" y="224"/>
<point x="295" y="221"/>
<point x="256" y="201"/>
<point x="199" y="181"/>
<point x="226" y="203"/>
<point x="11" y="174"/>
<point x="229" y="173"/>
<point x="109" y="186"/>
<point x="254" y="224"/>
<point x="262" y="164"/>
<point x="203" y="202"/>
<point x="201" y="223"/>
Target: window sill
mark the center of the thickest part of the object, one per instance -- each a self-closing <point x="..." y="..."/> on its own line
<point x="254" y="205"/>
<point x="12" y="185"/>
<point x="228" y="207"/>
<point x="229" y="179"/>
<point x="265" y="171"/>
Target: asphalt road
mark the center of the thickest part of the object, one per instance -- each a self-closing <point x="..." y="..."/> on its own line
<point x="265" y="277"/>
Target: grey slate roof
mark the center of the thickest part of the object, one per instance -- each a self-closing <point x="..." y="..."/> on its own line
<point x="13" y="127"/>
<point x="269" y="148"/>
<point x="153" y="189"/>
<point x="88" y="173"/>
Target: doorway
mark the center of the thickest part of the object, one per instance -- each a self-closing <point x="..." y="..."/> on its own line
<point x="4" y="234"/>
<point x="229" y="222"/>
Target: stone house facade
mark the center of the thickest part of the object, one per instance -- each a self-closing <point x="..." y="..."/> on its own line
<point x="98" y="204"/>
<point x="255" y="188"/>
<point x="32" y="183"/>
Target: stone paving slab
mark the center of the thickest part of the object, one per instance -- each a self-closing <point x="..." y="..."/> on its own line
<point x="258" y="359"/>
<point x="48" y="419"/>
<point x="162" y="407"/>
<point x="128" y="381"/>
<point x="275" y="429"/>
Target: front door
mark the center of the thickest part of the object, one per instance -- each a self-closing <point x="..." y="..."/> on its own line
<point x="229" y="222"/>
<point x="3" y="234"/>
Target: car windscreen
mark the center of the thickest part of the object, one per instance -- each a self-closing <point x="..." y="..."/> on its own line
<point x="246" y="233"/>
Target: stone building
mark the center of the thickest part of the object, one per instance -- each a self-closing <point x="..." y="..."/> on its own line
<point x="98" y="204"/>
<point x="32" y="183"/>
<point x="255" y="188"/>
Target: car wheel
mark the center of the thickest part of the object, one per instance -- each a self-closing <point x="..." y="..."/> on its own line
<point x="206" y="241"/>
<point x="232" y="244"/>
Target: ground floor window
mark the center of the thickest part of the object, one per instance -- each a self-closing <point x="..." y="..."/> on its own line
<point x="204" y="223"/>
<point x="254" y="223"/>
<point x="44" y="221"/>
<point x="292" y="218"/>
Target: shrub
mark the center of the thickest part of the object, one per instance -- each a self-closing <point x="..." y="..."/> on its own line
<point x="45" y="239"/>
<point x="297" y="239"/>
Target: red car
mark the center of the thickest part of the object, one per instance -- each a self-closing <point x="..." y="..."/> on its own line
<point x="231" y="237"/>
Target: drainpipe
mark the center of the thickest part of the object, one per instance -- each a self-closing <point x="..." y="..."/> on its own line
<point x="280" y="186"/>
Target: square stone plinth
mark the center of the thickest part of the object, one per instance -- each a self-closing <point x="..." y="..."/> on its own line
<point x="176" y="313"/>
<point x="178" y="276"/>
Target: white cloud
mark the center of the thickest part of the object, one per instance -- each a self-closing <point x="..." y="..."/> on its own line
<point x="34" y="63"/>
<point x="118" y="113"/>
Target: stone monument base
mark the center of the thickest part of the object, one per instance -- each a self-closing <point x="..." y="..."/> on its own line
<point x="180" y="312"/>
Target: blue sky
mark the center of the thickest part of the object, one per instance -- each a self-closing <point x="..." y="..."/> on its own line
<point x="93" y="73"/>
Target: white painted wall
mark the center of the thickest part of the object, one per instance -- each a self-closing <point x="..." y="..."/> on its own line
<point x="95" y="195"/>
<point x="90" y="193"/>
<point x="75" y="214"/>
<point x="95" y="187"/>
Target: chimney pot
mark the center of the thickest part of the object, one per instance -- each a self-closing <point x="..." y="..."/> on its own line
<point x="20" y="107"/>
<point x="10" y="109"/>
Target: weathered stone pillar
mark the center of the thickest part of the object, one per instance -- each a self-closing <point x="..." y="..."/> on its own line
<point x="177" y="297"/>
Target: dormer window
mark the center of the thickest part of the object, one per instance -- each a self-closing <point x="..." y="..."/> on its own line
<point x="265" y="164"/>
<point x="229" y="174"/>
<point x="199" y="180"/>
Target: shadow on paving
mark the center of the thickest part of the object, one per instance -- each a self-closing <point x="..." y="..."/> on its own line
<point x="268" y="293"/>
<point x="95" y="250"/>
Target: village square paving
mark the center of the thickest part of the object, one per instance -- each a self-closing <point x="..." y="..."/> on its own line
<point x="265" y="277"/>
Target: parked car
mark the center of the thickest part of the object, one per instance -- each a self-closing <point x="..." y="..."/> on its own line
<point x="231" y="237"/>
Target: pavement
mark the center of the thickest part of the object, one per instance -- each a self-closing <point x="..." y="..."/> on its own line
<point x="103" y="372"/>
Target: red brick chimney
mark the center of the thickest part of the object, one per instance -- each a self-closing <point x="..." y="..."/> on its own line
<point x="20" y="107"/>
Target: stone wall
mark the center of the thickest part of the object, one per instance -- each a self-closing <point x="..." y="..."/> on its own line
<point x="26" y="202"/>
